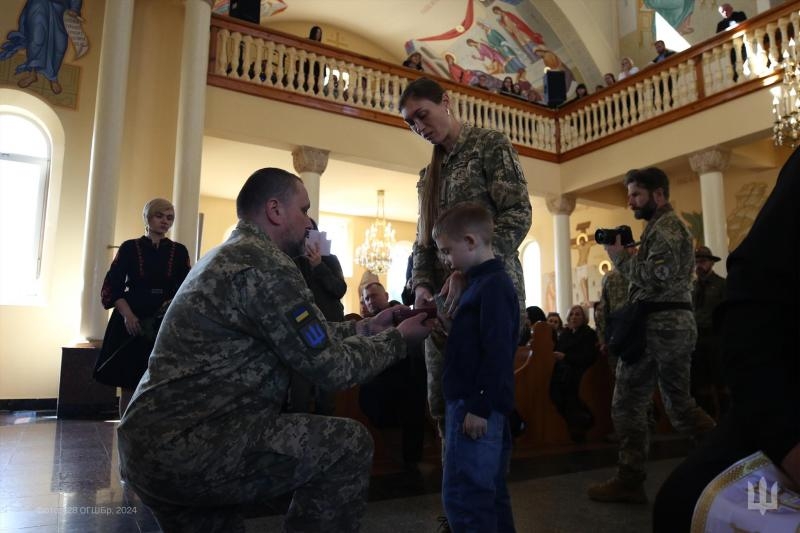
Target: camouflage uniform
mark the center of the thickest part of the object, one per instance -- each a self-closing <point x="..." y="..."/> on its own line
<point x="660" y="272"/>
<point x="204" y="433"/>
<point x="613" y="296"/>
<point x="707" y="371"/>
<point x="482" y="167"/>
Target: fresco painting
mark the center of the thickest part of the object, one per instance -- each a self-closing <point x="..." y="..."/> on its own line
<point x="495" y="38"/>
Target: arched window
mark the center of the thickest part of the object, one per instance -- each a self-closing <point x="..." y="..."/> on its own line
<point x="25" y="155"/>
<point x="532" y="272"/>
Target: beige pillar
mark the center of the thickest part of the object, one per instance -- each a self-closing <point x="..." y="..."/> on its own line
<point x="191" y="119"/>
<point x="101" y="203"/>
<point x="562" y="207"/>
<point x="710" y="164"/>
<point x="310" y="163"/>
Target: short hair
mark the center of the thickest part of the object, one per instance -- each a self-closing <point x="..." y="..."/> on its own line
<point x="463" y="218"/>
<point x="153" y="206"/>
<point x="424" y="88"/>
<point x="374" y="283"/>
<point x="658" y="41"/>
<point x="651" y="178"/>
<point x="262" y="185"/>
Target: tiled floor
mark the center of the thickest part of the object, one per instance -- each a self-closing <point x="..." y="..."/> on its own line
<point x="62" y="476"/>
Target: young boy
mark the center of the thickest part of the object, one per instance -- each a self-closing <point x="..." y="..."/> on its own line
<point x="478" y="377"/>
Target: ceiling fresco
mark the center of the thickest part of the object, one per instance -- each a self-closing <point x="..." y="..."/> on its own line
<point x="498" y="38"/>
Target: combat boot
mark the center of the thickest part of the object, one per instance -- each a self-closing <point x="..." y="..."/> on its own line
<point x="616" y="490"/>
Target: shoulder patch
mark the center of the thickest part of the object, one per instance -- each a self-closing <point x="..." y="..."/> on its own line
<point x="309" y="327"/>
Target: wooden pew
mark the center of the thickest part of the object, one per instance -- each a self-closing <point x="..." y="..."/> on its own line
<point x="545" y="426"/>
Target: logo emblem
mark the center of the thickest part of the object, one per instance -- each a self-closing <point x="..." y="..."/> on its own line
<point x="766" y="501"/>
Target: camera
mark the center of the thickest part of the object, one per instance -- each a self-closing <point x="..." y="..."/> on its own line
<point x="609" y="235"/>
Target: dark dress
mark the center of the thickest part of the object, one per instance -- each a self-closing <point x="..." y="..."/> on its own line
<point x="146" y="277"/>
<point x="580" y="352"/>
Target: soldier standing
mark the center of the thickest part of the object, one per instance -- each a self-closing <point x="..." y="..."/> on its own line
<point x="708" y="384"/>
<point x="468" y="164"/>
<point x="660" y="277"/>
<point x="204" y="433"/>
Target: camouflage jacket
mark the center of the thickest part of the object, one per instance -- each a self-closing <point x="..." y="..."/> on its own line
<point x="483" y="167"/>
<point x="707" y="299"/>
<point x="662" y="269"/>
<point x="613" y="296"/>
<point x="242" y="319"/>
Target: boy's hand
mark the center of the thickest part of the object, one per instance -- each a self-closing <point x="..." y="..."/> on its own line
<point x="451" y="291"/>
<point x="474" y="426"/>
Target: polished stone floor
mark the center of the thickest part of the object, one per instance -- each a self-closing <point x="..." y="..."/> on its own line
<point x="62" y="476"/>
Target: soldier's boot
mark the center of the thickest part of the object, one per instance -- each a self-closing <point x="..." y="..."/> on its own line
<point x="617" y="490"/>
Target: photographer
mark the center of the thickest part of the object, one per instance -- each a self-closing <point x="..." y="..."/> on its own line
<point x="660" y="277"/>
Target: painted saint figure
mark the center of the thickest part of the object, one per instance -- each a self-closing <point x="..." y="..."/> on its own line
<point x="43" y="36"/>
<point x="525" y="37"/>
<point x="499" y="43"/>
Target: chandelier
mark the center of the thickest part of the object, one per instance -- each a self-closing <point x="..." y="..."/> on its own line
<point x="375" y="253"/>
<point x="785" y="101"/>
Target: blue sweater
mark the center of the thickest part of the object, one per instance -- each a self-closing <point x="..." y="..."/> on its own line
<point x="479" y="356"/>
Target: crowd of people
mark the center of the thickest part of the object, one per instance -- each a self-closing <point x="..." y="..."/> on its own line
<point x="232" y="405"/>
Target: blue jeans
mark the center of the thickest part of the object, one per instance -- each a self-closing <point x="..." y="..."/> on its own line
<point x="474" y="491"/>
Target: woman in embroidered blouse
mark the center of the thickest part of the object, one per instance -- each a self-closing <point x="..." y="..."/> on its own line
<point x="143" y="278"/>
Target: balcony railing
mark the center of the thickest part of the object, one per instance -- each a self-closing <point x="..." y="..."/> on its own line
<point x="249" y="58"/>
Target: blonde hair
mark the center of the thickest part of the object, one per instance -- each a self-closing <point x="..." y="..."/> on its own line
<point x="153" y="206"/>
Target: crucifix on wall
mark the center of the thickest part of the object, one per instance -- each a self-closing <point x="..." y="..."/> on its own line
<point x="583" y="242"/>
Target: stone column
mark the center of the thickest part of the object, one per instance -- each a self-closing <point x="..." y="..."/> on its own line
<point x="709" y="164"/>
<point x="101" y="201"/>
<point x="561" y="207"/>
<point x="310" y="163"/>
<point x="191" y="121"/>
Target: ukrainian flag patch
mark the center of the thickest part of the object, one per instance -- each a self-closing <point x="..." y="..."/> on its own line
<point x="311" y="330"/>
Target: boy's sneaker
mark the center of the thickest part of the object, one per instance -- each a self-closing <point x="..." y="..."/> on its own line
<point x="444" y="525"/>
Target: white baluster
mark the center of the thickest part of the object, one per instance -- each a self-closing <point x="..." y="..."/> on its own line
<point x="223" y="52"/>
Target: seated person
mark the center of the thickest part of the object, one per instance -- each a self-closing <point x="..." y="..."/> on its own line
<point x="395" y="398"/>
<point x="575" y="352"/>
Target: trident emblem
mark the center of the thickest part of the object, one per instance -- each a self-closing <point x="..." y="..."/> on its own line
<point x="766" y="501"/>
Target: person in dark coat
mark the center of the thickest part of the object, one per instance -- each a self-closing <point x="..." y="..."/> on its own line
<point x="324" y="276"/>
<point x="575" y="351"/>
<point x="763" y="371"/>
<point x="142" y="279"/>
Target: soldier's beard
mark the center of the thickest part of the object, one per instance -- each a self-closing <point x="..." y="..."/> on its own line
<point x="647" y="211"/>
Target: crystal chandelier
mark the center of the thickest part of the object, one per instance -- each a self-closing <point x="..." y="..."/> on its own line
<point x="375" y="253"/>
<point x="785" y="101"/>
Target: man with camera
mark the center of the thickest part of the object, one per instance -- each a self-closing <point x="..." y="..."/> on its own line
<point x="660" y="277"/>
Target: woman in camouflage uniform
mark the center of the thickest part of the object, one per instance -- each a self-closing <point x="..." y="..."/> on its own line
<point x="468" y="164"/>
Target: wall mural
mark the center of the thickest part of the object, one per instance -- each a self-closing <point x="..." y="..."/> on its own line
<point x="38" y="46"/>
<point x="494" y="40"/>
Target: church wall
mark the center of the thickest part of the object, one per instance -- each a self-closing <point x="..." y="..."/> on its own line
<point x="31" y="337"/>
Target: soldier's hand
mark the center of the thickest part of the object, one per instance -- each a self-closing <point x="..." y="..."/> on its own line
<point x="451" y="291"/>
<point x="413" y="329"/>
<point x="422" y="296"/>
<point x="615" y="249"/>
<point x="381" y="321"/>
<point x="474" y="426"/>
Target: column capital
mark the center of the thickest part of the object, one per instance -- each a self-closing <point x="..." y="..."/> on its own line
<point x="560" y="204"/>
<point x="712" y="160"/>
<point x="310" y="159"/>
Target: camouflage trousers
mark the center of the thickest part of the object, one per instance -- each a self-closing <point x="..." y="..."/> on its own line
<point x="324" y="461"/>
<point x="666" y="362"/>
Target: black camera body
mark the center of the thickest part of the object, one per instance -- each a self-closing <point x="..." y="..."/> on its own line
<point x="609" y="235"/>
